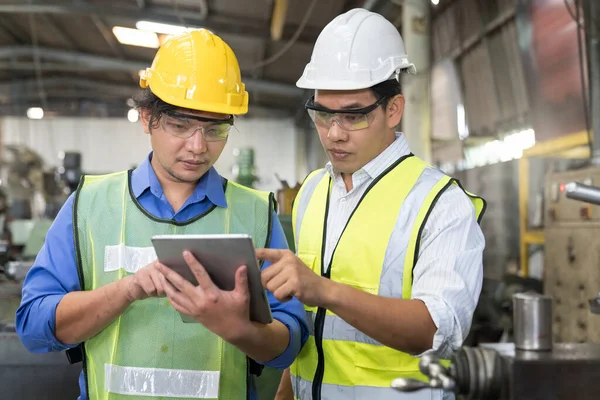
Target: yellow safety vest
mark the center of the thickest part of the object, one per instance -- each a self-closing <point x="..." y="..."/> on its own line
<point x="338" y="361"/>
<point x="148" y="352"/>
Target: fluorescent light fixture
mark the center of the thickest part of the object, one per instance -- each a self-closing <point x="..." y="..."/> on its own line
<point x="133" y="115"/>
<point x="35" y="113"/>
<point x="157" y="27"/>
<point x="435" y="2"/>
<point x="135" y="37"/>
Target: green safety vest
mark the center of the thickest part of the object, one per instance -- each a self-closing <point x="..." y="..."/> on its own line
<point x="148" y="352"/>
<point x="353" y="365"/>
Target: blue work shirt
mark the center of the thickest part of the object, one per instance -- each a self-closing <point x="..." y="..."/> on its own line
<point x="54" y="272"/>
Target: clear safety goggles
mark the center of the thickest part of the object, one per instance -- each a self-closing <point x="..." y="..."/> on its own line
<point x="184" y="126"/>
<point x="348" y="120"/>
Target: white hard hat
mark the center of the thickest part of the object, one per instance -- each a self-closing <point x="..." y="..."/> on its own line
<point x="357" y="50"/>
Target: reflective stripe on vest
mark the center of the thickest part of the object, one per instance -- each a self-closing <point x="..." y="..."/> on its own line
<point x="401" y="196"/>
<point x="148" y="351"/>
<point x="134" y="381"/>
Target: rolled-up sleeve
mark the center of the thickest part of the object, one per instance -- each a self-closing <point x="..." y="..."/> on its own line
<point x="53" y="275"/>
<point x="290" y="313"/>
<point x="449" y="272"/>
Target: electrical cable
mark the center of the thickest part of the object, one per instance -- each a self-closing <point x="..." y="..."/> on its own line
<point x="571" y="12"/>
<point x="290" y="42"/>
<point x="280" y="53"/>
<point x="586" y="106"/>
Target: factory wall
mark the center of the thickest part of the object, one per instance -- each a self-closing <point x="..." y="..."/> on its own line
<point x="517" y="68"/>
<point x="109" y="145"/>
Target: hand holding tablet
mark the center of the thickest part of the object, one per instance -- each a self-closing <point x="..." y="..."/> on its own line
<point x="219" y="258"/>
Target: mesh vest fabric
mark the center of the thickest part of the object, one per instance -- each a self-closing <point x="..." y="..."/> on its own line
<point x="355" y="365"/>
<point x="148" y="352"/>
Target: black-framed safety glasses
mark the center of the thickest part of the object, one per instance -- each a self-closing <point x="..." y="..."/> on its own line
<point x="184" y="126"/>
<point x="348" y="120"/>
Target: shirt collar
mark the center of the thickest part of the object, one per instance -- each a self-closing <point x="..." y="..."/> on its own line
<point x="209" y="186"/>
<point x="399" y="148"/>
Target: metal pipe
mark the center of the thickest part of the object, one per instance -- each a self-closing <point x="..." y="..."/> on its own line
<point x="278" y="19"/>
<point x="98" y="62"/>
<point x="274" y="88"/>
<point x="26" y="85"/>
<point x="108" y="36"/>
<point x="55" y="67"/>
<point x="78" y="61"/>
<point x="117" y="11"/>
<point x="581" y="192"/>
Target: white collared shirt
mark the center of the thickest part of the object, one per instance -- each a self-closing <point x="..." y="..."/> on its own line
<point x="449" y="272"/>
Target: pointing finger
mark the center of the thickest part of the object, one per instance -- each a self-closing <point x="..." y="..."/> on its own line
<point x="269" y="273"/>
<point x="284" y="293"/>
<point x="270" y="255"/>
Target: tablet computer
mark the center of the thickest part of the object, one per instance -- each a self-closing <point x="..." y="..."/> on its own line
<point x="221" y="256"/>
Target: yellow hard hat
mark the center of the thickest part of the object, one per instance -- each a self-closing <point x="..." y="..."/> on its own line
<point x="199" y="71"/>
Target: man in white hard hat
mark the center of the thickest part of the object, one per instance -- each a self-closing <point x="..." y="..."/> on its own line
<point x="389" y="249"/>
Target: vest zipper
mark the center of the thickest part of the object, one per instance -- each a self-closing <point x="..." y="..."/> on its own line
<point x="320" y="318"/>
<point x="320" y="372"/>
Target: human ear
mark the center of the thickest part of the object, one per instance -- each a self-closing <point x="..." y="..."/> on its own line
<point x="145" y="119"/>
<point x="395" y="110"/>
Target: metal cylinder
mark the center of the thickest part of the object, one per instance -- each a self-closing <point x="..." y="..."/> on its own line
<point x="532" y="321"/>
<point x="581" y="192"/>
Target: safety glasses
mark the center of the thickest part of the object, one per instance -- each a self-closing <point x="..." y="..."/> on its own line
<point x="184" y="126"/>
<point x="348" y="120"/>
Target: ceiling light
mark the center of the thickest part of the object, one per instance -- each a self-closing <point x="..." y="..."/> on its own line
<point x="133" y="115"/>
<point x="156" y="27"/>
<point x="35" y="113"/>
<point x="135" y="37"/>
<point x="435" y="2"/>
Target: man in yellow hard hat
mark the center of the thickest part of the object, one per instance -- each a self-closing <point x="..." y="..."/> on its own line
<point x="96" y="285"/>
<point x="389" y="249"/>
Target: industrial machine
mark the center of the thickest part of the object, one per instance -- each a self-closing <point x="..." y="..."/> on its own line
<point x="501" y="372"/>
<point x="30" y="197"/>
<point x="538" y="364"/>
<point x="24" y="375"/>
<point x="572" y="253"/>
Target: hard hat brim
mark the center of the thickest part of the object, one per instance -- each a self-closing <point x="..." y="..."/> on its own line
<point x="205" y="106"/>
<point x="304" y="83"/>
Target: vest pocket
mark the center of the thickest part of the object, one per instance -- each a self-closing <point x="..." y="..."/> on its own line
<point x="309" y="260"/>
<point x="384" y="364"/>
<point x="365" y="287"/>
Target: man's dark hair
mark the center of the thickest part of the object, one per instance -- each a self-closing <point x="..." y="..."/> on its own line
<point x="145" y="99"/>
<point x="387" y="89"/>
